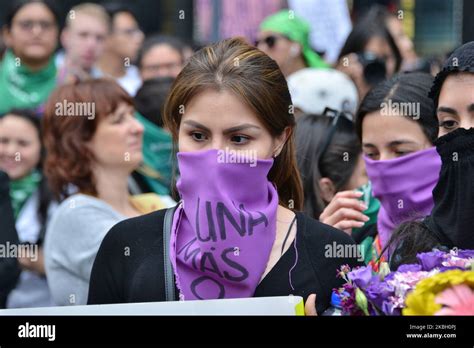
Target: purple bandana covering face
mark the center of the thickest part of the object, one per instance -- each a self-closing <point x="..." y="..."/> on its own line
<point x="404" y="187"/>
<point x="225" y="228"/>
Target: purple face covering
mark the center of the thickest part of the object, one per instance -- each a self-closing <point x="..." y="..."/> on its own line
<point x="404" y="187"/>
<point x="224" y="231"/>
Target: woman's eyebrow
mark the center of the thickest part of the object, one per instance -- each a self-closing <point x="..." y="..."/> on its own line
<point x="391" y="144"/>
<point x="197" y="125"/>
<point x="226" y="131"/>
<point x="470" y="108"/>
<point x="447" y="110"/>
<point x="400" y="142"/>
<point x="240" y="128"/>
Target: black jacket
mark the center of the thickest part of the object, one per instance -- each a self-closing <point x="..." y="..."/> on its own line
<point x="9" y="268"/>
<point x="119" y="276"/>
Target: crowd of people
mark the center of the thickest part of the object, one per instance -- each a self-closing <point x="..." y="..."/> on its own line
<point x="112" y="168"/>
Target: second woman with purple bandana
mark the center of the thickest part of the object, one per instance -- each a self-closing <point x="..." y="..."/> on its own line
<point x="237" y="231"/>
<point x="396" y="126"/>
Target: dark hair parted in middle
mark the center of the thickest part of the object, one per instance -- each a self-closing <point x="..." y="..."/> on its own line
<point x="235" y="66"/>
<point x="402" y="88"/>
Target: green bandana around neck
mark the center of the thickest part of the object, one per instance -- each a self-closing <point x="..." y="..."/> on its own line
<point x="22" y="189"/>
<point x="22" y="88"/>
<point x="157" y="151"/>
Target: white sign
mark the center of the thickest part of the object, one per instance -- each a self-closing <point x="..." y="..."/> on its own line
<point x="284" y="305"/>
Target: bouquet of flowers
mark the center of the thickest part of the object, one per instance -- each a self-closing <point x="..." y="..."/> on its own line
<point x="441" y="283"/>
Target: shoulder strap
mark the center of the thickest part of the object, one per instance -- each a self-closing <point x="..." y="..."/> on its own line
<point x="168" y="268"/>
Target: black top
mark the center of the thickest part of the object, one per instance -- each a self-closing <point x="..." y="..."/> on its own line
<point x="9" y="269"/>
<point x="129" y="264"/>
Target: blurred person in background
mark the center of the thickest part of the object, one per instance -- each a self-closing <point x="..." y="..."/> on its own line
<point x="21" y="157"/>
<point x="155" y="174"/>
<point x="370" y="53"/>
<point x="28" y="70"/>
<point x="330" y="161"/>
<point x="314" y="90"/>
<point x="83" y="38"/>
<point x="190" y="46"/>
<point x="285" y="38"/>
<point x="2" y="47"/>
<point x="160" y="56"/>
<point x="95" y="155"/>
<point x="122" y="48"/>
<point x="410" y="60"/>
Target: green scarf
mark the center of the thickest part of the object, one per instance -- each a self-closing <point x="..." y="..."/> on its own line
<point x="296" y="29"/>
<point x="372" y="203"/>
<point x="157" y="152"/>
<point x="22" y="88"/>
<point x="373" y="206"/>
<point x="22" y="189"/>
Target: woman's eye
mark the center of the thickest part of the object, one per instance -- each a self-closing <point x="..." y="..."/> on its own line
<point x="198" y="136"/>
<point x="118" y="119"/>
<point x="23" y="143"/>
<point x="239" y="139"/>
<point x="371" y="155"/>
<point x="448" y="124"/>
<point x="402" y="153"/>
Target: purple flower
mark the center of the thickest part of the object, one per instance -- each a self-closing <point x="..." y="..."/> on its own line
<point x="466" y="254"/>
<point x="389" y="308"/>
<point x="409" y="268"/>
<point x="348" y="303"/>
<point x="450" y="268"/>
<point x="361" y="276"/>
<point x="378" y="292"/>
<point x="431" y="260"/>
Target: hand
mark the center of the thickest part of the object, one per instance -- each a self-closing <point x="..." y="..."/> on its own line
<point x="345" y="211"/>
<point x="351" y="66"/>
<point x="310" y="306"/>
<point x="35" y="264"/>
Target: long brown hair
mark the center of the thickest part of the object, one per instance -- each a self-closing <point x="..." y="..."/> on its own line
<point x="254" y="77"/>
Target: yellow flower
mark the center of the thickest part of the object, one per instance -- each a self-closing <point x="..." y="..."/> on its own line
<point x="421" y="301"/>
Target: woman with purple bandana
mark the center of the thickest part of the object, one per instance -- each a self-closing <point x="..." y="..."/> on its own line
<point x="237" y="231"/>
<point x="451" y="221"/>
<point x="396" y="126"/>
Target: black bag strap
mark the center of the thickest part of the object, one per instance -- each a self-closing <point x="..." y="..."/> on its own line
<point x="169" y="274"/>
